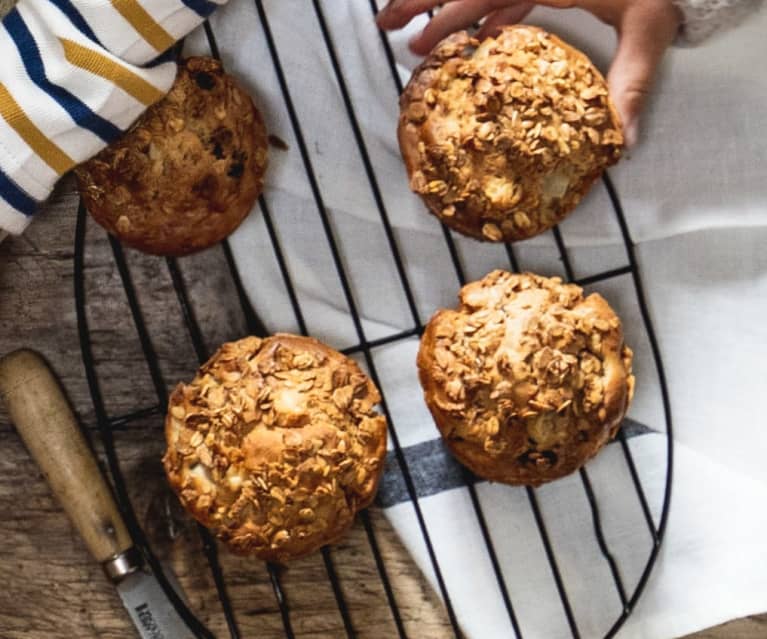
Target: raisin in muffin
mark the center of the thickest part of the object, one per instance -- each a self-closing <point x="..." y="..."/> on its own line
<point x="527" y="379"/>
<point x="187" y="172"/>
<point x="502" y="138"/>
<point x="275" y="445"/>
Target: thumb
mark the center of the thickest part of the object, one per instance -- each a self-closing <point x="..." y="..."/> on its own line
<point x="645" y="32"/>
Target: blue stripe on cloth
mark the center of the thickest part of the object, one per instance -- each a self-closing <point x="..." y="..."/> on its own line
<point x="433" y="469"/>
<point x="76" y="18"/>
<point x="16" y="196"/>
<point x="202" y="8"/>
<point x="33" y="62"/>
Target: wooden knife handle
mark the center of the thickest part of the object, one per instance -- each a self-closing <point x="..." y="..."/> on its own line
<point x="37" y="406"/>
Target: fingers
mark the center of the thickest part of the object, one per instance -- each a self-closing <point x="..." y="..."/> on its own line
<point x="398" y="13"/>
<point x="451" y="18"/>
<point x="646" y="28"/>
<point x="645" y="32"/>
<point x="502" y="17"/>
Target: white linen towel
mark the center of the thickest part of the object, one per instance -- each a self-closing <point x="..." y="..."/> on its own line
<point x="694" y="194"/>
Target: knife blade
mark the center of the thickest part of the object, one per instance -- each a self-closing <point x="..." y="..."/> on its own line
<point x="149" y="608"/>
<point x="43" y="418"/>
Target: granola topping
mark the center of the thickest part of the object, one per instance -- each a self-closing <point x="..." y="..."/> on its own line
<point x="526" y="370"/>
<point x="276" y="444"/>
<point x="503" y="137"/>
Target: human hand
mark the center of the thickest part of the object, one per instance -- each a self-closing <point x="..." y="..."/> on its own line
<point x="645" y="29"/>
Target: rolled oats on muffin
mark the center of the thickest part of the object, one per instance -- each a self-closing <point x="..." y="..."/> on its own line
<point x="275" y="445"/>
<point x="502" y="138"/>
<point x="527" y="379"/>
<point x="187" y="172"/>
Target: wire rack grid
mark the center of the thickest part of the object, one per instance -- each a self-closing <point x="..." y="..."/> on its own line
<point x="364" y="348"/>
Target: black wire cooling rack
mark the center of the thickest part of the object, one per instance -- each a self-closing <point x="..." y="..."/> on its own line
<point x="364" y="347"/>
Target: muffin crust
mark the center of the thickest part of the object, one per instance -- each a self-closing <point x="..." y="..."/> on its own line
<point x="187" y="172"/>
<point x="527" y="379"/>
<point x="502" y="138"/>
<point x="275" y="445"/>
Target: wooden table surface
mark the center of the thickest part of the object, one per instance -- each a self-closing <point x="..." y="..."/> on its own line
<point x="51" y="588"/>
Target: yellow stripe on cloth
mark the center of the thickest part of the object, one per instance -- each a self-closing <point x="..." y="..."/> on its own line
<point x="14" y="115"/>
<point x="142" y="22"/>
<point x="99" y="64"/>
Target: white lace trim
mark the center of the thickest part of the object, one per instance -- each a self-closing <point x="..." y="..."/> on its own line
<point x="702" y="17"/>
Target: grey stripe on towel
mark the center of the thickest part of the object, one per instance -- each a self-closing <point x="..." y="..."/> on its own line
<point x="433" y="469"/>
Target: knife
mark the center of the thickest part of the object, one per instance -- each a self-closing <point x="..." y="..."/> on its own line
<point x="48" y="427"/>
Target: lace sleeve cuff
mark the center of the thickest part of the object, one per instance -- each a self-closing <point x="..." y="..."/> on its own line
<point x="701" y="18"/>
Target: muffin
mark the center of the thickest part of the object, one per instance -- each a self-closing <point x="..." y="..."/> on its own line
<point x="275" y="445"/>
<point x="527" y="379"/>
<point x="187" y="172"/>
<point x="502" y="138"/>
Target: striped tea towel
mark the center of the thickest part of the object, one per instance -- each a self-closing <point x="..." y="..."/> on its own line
<point x="72" y="80"/>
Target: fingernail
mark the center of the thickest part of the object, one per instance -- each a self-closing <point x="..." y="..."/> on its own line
<point x="631" y="133"/>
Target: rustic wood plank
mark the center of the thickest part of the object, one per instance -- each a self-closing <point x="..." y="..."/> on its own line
<point x="36" y="294"/>
<point x="749" y="628"/>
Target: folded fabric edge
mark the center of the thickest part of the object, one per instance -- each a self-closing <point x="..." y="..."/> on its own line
<point x="12" y="222"/>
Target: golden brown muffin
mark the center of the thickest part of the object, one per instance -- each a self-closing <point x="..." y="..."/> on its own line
<point x="503" y="138"/>
<point x="527" y="379"/>
<point x="275" y="445"/>
<point x="187" y="172"/>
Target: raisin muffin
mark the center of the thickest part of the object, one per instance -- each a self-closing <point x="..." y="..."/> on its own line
<point x="187" y="172"/>
<point x="527" y="379"/>
<point x="502" y="138"/>
<point x="275" y="445"/>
